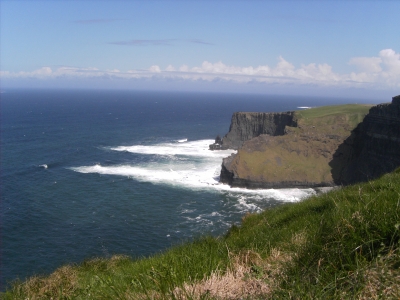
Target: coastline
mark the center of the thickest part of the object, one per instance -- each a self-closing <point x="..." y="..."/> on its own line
<point x="319" y="147"/>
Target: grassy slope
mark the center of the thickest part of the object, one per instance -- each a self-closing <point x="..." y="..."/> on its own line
<point x="357" y="110"/>
<point x="338" y="119"/>
<point x="344" y="244"/>
<point x="305" y="152"/>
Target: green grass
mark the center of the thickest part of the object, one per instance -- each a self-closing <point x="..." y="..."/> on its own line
<point x="325" y="111"/>
<point x="340" y="245"/>
<point x="349" y="114"/>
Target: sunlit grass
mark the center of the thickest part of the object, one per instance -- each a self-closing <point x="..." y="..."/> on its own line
<point x="355" y="111"/>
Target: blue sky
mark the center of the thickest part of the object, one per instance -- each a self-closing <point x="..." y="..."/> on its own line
<point x="343" y="48"/>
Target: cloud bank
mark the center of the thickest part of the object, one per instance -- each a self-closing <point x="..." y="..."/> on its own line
<point x="381" y="72"/>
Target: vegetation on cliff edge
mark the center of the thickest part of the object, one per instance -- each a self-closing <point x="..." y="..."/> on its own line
<point x="305" y="154"/>
<point x="343" y="244"/>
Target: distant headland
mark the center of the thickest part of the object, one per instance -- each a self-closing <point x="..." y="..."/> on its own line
<point x="323" y="146"/>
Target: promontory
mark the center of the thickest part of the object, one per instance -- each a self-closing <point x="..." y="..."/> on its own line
<point x="323" y="146"/>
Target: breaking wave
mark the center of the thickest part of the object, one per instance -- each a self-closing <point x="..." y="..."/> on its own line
<point x="178" y="148"/>
<point x="188" y="165"/>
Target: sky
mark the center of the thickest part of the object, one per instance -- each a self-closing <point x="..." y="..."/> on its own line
<point x="340" y="48"/>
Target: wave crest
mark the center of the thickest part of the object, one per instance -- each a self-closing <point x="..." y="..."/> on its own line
<point x="199" y="170"/>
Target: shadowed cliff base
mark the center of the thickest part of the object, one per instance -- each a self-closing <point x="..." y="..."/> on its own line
<point x="372" y="149"/>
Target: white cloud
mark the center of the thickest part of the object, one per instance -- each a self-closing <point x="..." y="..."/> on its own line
<point x="284" y="68"/>
<point x="170" y="68"/>
<point x="43" y="72"/>
<point x="391" y="61"/>
<point x="367" y="64"/>
<point x="381" y="72"/>
<point x="155" y="69"/>
<point x="184" y="68"/>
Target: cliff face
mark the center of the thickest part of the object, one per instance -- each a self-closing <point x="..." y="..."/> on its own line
<point x="292" y="156"/>
<point x="373" y="148"/>
<point x="311" y="148"/>
<point x="245" y="126"/>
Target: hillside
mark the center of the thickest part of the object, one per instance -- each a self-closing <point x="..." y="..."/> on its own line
<point x="340" y="245"/>
<point x="298" y="158"/>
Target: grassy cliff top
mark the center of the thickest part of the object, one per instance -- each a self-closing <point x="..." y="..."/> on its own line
<point x="304" y="154"/>
<point x="340" y="245"/>
<point x="352" y="113"/>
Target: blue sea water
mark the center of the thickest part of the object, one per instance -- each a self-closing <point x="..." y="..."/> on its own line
<point x="95" y="173"/>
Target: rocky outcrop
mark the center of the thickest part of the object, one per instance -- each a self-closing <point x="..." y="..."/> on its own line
<point x="217" y="144"/>
<point x="373" y="147"/>
<point x="324" y="146"/>
<point x="230" y="177"/>
<point x="298" y="159"/>
<point x="297" y="151"/>
<point x="247" y="125"/>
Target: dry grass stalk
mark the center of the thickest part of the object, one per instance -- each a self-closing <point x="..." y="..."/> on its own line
<point x="115" y="260"/>
<point x="299" y="238"/>
<point x="250" y="276"/>
<point x="62" y="282"/>
<point x="383" y="279"/>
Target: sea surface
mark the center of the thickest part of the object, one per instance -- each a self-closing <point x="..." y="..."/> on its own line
<point x="96" y="173"/>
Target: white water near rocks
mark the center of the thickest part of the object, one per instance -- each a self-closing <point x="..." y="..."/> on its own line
<point x="189" y="165"/>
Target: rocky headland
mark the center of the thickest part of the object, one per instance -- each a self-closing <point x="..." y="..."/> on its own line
<point x="323" y="146"/>
<point x="245" y="126"/>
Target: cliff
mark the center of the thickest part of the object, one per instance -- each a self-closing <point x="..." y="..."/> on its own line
<point x="245" y="126"/>
<point x="372" y="149"/>
<point x="298" y="153"/>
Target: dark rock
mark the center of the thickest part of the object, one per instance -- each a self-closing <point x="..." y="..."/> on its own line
<point x="245" y="126"/>
<point x="217" y="144"/>
<point x="226" y="176"/>
<point x="372" y="149"/>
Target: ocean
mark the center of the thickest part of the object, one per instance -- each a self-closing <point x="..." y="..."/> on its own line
<point x="89" y="173"/>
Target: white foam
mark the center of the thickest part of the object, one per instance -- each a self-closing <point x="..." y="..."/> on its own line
<point x="193" y="148"/>
<point x="304" y="107"/>
<point x="288" y="195"/>
<point x="188" y="165"/>
<point x="158" y="174"/>
<point x="44" y="166"/>
<point x="243" y="205"/>
<point x="182" y="141"/>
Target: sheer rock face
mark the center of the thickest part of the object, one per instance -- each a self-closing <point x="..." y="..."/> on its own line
<point x="374" y="146"/>
<point x="245" y="126"/>
<point x="287" y="150"/>
<point x="298" y="159"/>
